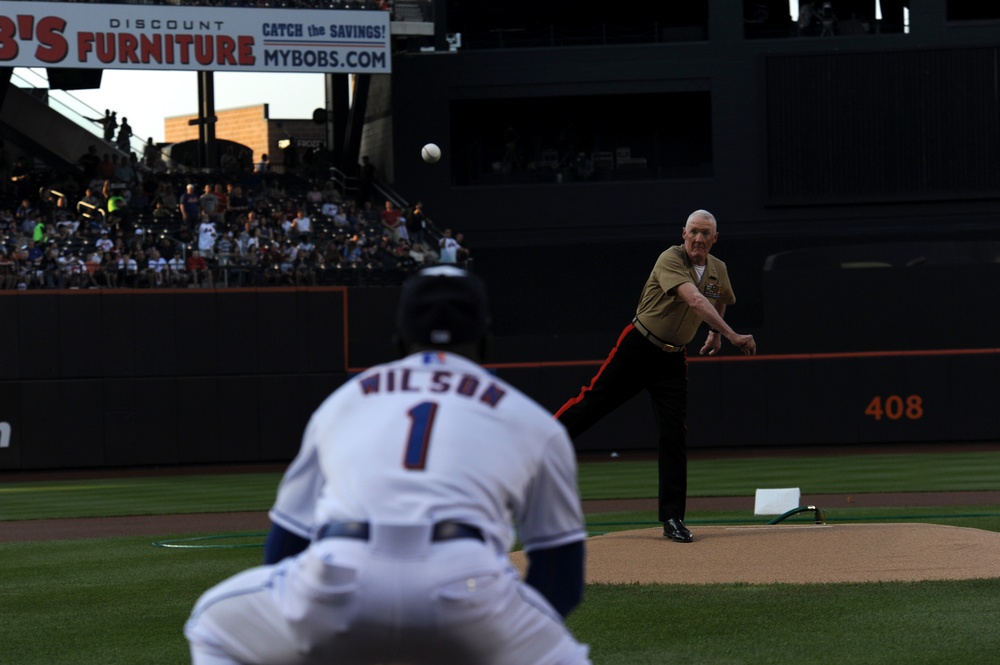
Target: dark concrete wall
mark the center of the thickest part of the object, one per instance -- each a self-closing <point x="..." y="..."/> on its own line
<point x="849" y="355"/>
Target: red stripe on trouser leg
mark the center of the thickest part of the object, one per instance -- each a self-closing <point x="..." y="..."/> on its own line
<point x="585" y="389"/>
<point x="608" y="390"/>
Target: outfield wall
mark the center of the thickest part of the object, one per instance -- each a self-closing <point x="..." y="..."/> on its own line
<point x="116" y="378"/>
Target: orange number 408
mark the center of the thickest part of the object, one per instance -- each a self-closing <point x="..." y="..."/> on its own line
<point x="895" y="407"/>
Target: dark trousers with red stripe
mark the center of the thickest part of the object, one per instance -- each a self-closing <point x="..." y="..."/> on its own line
<point x="635" y="365"/>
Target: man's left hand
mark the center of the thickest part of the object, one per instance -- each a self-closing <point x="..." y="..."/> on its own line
<point x="713" y="343"/>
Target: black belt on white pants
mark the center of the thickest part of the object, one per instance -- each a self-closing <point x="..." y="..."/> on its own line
<point x="663" y="346"/>
<point x="360" y="531"/>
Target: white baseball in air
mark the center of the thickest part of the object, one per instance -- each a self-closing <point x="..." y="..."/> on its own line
<point x="431" y="153"/>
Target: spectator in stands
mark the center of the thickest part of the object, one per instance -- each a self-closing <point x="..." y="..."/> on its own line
<point x="237" y="204"/>
<point x="118" y="211"/>
<point x="124" y="172"/>
<point x="104" y="243"/>
<point x="252" y="267"/>
<point x="331" y="192"/>
<point x="93" y="262"/>
<point x="314" y="196"/>
<point x="26" y="269"/>
<point x="106" y="169"/>
<point x="416" y="223"/>
<point x="91" y="200"/>
<point x="124" y="139"/>
<point x="390" y="221"/>
<point x="156" y="269"/>
<point x="286" y="210"/>
<point x="304" y="263"/>
<point x="106" y="191"/>
<point x="270" y="262"/>
<point x="348" y="216"/>
<point x="166" y="246"/>
<point x="8" y="225"/>
<point x="72" y="269"/>
<point x="51" y="267"/>
<point x="263" y="166"/>
<point x="128" y="270"/>
<point x="90" y="162"/>
<point x="209" y="203"/>
<point x="227" y="259"/>
<point x="8" y="269"/>
<point x="368" y="216"/>
<point x="161" y="213"/>
<point x="263" y="229"/>
<point x="139" y="201"/>
<point x="40" y="231"/>
<point x="150" y="154"/>
<point x="223" y="204"/>
<point x="352" y="251"/>
<point x="200" y="273"/>
<point x="88" y="272"/>
<point x="207" y="236"/>
<point x="341" y="221"/>
<point x="109" y="269"/>
<point x="251" y="221"/>
<point x="110" y="124"/>
<point x="25" y="215"/>
<point x="329" y="207"/>
<point x="421" y="254"/>
<point x="301" y="225"/>
<point x="177" y="273"/>
<point x="66" y="228"/>
<point x="190" y="206"/>
<point x="165" y="192"/>
<point x="243" y="238"/>
<point x="449" y="247"/>
<point x="279" y="194"/>
<point x="402" y="233"/>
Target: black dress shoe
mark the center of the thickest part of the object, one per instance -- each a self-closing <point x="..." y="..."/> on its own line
<point x="675" y="530"/>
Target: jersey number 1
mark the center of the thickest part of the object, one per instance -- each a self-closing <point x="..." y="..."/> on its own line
<point x="422" y="420"/>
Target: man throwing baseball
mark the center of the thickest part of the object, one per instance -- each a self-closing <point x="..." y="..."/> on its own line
<point x="687" y="286"/>
<point x="392" y="526"/>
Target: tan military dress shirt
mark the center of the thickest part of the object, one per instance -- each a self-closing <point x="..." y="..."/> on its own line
<point x="663" y="312"/>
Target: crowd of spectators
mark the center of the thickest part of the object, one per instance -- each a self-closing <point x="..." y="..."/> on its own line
<point x="131" y="225"/>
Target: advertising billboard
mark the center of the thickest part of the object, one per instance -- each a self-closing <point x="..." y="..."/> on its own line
<point x="218" y="39"/>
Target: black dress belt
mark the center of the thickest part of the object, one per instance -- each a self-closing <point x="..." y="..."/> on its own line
<point x="359" y="531"/>
<point x="663" y="346"/>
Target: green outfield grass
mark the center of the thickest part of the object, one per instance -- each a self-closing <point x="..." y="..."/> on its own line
<point x="783" y="624"/>
<point x="826" y="474"/>
<point x="122" y="600"/>
<point x="616" y="479"/>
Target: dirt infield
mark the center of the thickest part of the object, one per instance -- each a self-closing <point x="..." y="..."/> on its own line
<point x="793" y="553"/>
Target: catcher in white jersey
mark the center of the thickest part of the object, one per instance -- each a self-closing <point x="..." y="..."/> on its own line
<point x="391" y="529"/>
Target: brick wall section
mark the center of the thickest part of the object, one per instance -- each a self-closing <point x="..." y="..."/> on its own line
<point x="250" y="126"/>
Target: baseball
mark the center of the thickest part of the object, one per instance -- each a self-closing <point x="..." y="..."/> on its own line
<point x="431" y="153"/>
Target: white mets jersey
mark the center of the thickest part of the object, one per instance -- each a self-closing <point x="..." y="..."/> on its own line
<point x="429" y="438"/>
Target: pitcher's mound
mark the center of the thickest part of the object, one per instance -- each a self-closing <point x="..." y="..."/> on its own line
<point x="793" y="554"/>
